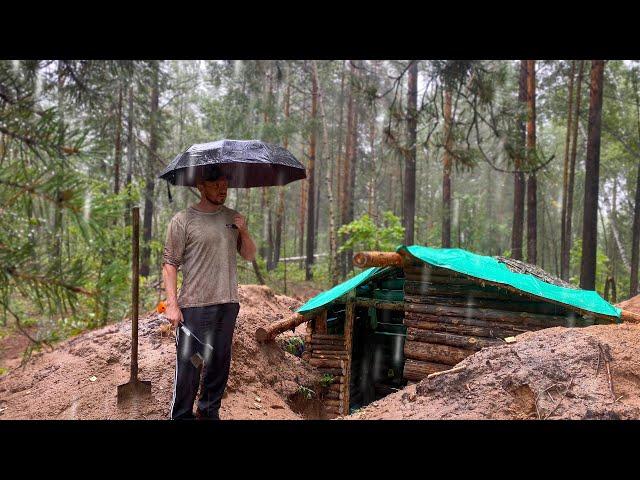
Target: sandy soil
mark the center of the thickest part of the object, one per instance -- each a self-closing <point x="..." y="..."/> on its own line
<point x="557" y="373"/>
<point x="79" y="378"/>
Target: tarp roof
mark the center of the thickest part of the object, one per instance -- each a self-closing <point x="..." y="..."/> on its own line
<point x="482" y="267"/>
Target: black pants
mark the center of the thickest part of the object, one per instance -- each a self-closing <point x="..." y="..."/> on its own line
<point x="214" y="325"/>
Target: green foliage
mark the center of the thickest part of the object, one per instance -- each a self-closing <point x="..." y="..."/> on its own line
<point x="364" y="234"/>
<point x="326" y="380"/>
<point x="295" y="346"/>
<point x="306" y="392"/>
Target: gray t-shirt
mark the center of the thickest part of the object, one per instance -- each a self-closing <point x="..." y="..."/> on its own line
<point x="206" y="249"/>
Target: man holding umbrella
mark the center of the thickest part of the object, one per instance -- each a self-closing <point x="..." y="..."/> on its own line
<point x="203" y="241"/>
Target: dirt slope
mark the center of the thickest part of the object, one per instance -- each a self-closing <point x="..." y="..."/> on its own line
<point x="553" y="373"/>
<point x="60" y="384"/>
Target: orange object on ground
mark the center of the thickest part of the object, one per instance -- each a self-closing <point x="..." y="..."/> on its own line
<point x="162" y="307"/>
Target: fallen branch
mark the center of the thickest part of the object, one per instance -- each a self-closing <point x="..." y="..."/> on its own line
<point x="444" y="372"/>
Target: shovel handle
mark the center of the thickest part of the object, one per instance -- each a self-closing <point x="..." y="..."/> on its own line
<point x="135" y="286"/>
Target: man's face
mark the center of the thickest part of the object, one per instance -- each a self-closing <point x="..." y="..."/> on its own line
<point x="216" y="191"/>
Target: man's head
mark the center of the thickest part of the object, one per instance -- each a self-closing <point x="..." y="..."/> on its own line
<point x="214" y="187"/>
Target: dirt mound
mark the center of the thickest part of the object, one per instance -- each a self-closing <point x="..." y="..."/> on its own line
<point x="79" y="378"/>
<point x="632" y="304"/>
<point x="568" y="373"/>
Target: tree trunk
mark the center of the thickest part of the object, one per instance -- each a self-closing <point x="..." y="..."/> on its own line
<point x="281" y="190"/>
<point x="118" y="145"/>
<point x="349" y="160"/>
<point x="409" y="204"/>
<point x="311" y="173"/>
<point x="518" y="177"/>
<point x="328" y="176"/>
<point x="564" y="268"/>
<point x="572" y="173"/>
<point x="446" y="172"/>
<point x="532" y="187"/>
<point x="635" y="242"/>
<point x="150" y="173"/>
<point x="592" y="177"/>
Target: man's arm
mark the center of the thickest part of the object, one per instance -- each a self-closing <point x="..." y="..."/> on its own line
<point x="170" y="277"/>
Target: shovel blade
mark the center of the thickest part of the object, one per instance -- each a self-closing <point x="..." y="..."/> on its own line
<point x="134" y="389"/>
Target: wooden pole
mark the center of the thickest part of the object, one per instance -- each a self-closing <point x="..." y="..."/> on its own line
<point x="377" y="259"/>
<point x="269" y="333"/>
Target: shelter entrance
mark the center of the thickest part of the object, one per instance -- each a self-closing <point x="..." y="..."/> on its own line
<point x="377" y="351"/>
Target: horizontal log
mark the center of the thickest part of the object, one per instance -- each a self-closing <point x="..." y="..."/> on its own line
<point x="330" y="353"/>
<point x="327" y="336"/>
<point x="513" y="305"/>
<point x="376" y="259"/>
<point x="379" y="304"/>
<point x="334" y="395"/>
<point x="487" y="332"/>
<point x="330" y="371"/>
<point x="269" y="333"/>
<point x="336" y="387"/>
<point x="488" y="314"/>
<point x="432" y="352"/>
<point x="442" y="290"/>
<point x="454" y="340"/>
<point x="416" y="370"/>
<point x="327" y="347"/>
<point x="524" y="326"/>
<point x="319" y="356"/>
<point x="332" y="403"/>
<point x="327" y="362"/>
<point x="629" y="316"/>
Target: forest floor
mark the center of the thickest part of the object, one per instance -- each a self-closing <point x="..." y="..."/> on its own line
<point x="556" y="373"/>
<point x="78" y="378"/>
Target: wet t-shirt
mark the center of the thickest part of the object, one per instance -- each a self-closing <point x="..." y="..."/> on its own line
<point x="205" y="248"/>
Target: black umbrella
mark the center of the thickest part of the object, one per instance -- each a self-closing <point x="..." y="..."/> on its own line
<point x="245" y="163"/>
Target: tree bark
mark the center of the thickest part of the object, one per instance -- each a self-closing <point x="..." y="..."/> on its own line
<point x="311" y="176"/>
<point x="409" y="204"/>
<point x="446" y="172"/>
<point x="572" y="174"/>
<point x="564" y="273"/>
<point x="592" y="177"/>
<point x="532" y="183"/>
<point x="635" y="241"/>
<point x="150" y="173"/>
<point x="518" y="177"/>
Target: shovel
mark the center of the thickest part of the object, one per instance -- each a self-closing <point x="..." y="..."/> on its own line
<point x="134" y="388"/>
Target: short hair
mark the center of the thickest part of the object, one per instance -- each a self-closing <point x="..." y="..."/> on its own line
<point x="212" y="174"/>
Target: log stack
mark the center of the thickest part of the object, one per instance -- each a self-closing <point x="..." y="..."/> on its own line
<point x="330" y="355"/>
<point x="450" y="316"/>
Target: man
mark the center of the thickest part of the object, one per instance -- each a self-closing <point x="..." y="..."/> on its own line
<point x="203" y="240"/>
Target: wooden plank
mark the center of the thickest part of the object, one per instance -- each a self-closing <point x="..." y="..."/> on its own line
<point x="326" y="336"/>
<point x="432" y="352"/>
<point x="514" y="304"/>
<point x="496" y="331"/>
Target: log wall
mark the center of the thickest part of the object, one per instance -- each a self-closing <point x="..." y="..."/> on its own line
<point x="449" y="317"/>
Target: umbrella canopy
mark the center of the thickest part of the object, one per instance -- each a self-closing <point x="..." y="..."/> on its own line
<point x="245" y="163"/>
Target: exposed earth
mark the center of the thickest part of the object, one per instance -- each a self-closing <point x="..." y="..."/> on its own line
<point x="79" y="378"/>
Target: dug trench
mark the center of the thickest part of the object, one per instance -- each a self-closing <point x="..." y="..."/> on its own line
<point x="78" y="378"/>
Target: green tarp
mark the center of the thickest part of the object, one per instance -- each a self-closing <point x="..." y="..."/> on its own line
<point x="490" y="269"/>
<point x="479" y="266"/>
<point x="339" y="290"/>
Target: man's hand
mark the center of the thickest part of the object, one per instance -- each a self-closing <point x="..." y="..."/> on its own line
<point x="174" y="315"/>
<point x="240" y="222"/>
